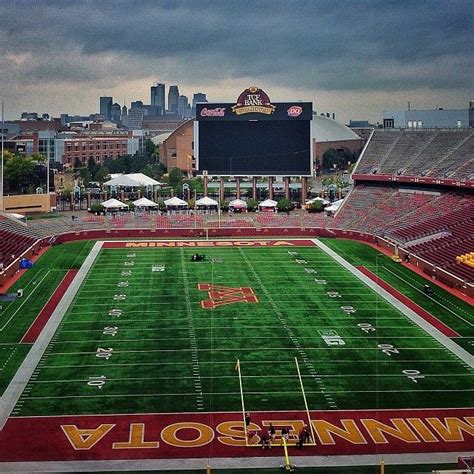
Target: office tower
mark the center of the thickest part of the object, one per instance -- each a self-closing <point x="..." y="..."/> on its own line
<point x="137" y="104"/>
<point x="182" y="105"/>
<point x="173" y="96"/>
<point x="105" y="107"/>
<point x="198" y="97"/>
<point x="115" y="112"/>
<point x="158" y="97"/>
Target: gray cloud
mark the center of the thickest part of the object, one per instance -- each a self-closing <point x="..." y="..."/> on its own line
<point x="309" y="45"/>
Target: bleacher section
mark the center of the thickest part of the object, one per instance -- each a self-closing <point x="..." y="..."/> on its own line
<point x="15" y="238"/>
<point x="437" y="154"/>
<point x="374" y="209"/>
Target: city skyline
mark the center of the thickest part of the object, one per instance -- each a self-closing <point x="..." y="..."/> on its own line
<point x="353" y="60"/>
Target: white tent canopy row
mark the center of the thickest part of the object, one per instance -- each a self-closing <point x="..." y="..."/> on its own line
<point x="144" y="203"/>
<point x="114" y="204"/>
<point x="133" y="180"/>
<point x="268" y="203"/>
<point x="316" y="199"/>
<point x="238" y="204"/>
<point x="334" y="206"/>
<point x="175" y="202"/>
<point x="207" y="201"/>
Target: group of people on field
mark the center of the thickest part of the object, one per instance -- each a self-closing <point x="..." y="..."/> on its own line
<point x="267" y="437"/>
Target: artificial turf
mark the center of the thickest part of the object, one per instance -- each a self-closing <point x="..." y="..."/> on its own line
<point x="171" y="355"/>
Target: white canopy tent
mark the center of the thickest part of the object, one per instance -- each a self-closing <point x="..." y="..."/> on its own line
<point x="268" y="203"/>
<point x="238" y="204"/>
<point x="114" y="204"/>
<point x="207" y="202"/>
<point x="316" y="199"/>
<point x="334" y="206"/>
<point x="133" y="180"/>
<point x="144" y="203"/>
<point x="176" y="202"/>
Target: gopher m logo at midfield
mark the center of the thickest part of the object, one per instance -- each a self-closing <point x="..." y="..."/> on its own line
<point x="221" y="295"/>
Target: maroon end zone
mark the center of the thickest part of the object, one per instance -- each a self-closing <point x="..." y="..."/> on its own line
<point x="198" y="435"/>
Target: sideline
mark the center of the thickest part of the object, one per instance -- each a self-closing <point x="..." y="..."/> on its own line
<point x="19" y="381"/>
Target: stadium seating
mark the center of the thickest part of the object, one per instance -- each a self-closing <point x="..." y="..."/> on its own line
<point x="436" y="154"/>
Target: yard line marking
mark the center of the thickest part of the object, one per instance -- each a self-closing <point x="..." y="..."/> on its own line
<point x="289" y="392"/>
<point x="191" y="333"/>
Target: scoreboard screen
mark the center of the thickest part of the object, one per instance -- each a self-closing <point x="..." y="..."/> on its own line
<point x="271" y="140"/>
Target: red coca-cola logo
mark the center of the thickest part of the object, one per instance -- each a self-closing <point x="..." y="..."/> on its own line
<point x="295" y="111"/>
<point x="217" y="112"/>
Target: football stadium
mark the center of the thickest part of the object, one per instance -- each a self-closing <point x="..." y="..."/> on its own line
<point x="251" y="341"/>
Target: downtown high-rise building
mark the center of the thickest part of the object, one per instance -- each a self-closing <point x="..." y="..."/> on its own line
<point x="158" y="98"/>
<point x="182" y="105"/>
<point x="173" y="98"/>
<point x="105" y="107"/>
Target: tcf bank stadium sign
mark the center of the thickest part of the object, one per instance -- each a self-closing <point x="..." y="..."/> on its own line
<point x="253" y="100"/>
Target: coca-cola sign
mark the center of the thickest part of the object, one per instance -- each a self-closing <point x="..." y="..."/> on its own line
<point x="217" y="112"/>
<point x="295" y="111"/>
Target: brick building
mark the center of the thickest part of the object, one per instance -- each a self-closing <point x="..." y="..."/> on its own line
<point x="177" y="151"/>
<point x="82" y="148"/>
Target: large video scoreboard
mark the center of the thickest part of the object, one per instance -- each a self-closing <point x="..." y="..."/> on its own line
<point x="253" y="137"/>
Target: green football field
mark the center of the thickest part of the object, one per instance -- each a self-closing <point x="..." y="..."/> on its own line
<point x="137" y="338"/>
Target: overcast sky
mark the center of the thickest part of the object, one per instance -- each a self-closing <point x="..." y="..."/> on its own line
<point x="354" y="58"/>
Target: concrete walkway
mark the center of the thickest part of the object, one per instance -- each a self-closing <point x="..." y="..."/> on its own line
<point x="156" y="465"/>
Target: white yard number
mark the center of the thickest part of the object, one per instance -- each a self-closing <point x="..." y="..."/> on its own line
<point x="388" y="349"/>
<point x="310" y="270"/>
<point x="98" y="382"/>
<point x="366" y="327"/>
<point x="126" y="273"/>
<point x="115" y="312"/>
<point x="332" y="338"/>
<point x="131" y="255"/>
<point x="301" y="261"/>
<point x="348" y="309"/>
<point x="104" y="353"/>
<point x="293" y="254"/>
<point x="413" y="375"/>
<point x="120" y="297"/>
<point x="333" y="294"/>
<point x="122" y="284"/>
<point x="158" y="268"/>
<point x="129" y="264"/>
<point x="320" y="282"/>
<point x="110" y="330"/>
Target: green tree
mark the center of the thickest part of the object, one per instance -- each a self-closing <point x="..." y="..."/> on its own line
<point x="38" y="157"/>
<point x="19" y="172"/>
<point x="316" y="206"/>
<point x="175" y="179"/>
<point x="252" y="205"/>
<point x="102" y="174"/>
<point x="284" y="205"/>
